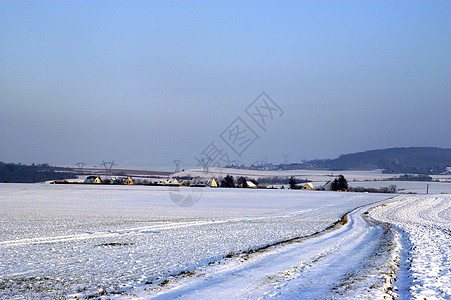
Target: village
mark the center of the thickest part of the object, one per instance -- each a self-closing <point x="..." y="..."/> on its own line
<point x="226" y="182"/>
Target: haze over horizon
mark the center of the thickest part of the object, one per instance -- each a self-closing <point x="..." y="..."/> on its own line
<point x="146" y="82"/>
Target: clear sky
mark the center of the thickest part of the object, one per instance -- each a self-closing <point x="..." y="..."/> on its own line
<point x="147" y="82"/>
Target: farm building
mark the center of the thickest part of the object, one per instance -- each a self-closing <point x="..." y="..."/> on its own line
<point x="309" y="186"/>
<point x="168" y="182"/>
<point x="127" y="180"/>
<point x="199" y="183"/>
<point x="122" y="180"/>
<point x="327" y="186"/>
<point x="250" y="184"/>
<point x="213" y="183"/>
<point x="93" y="179"/>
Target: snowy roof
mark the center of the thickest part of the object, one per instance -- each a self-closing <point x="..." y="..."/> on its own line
<point x="309" y="184"/>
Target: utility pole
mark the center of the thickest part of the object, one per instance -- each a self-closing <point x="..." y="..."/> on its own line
<point x="427" y="188"/>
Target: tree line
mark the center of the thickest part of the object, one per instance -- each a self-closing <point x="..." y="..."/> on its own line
<point x="21" y="173"/>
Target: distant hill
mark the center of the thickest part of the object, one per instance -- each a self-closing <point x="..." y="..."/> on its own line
<point x="419" y="160"/>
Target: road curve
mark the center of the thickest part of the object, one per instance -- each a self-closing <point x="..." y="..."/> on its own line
<point x="350" y="260"/>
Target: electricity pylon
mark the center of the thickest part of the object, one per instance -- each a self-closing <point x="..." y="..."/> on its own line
<point x="177" y="165"/>
<point x="80" y="165"/>
<point x="108" y="165"/>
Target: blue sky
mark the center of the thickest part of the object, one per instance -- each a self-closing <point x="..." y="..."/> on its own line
<point x="147" y="82"/>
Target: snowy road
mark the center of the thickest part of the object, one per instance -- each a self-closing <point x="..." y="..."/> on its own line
<point x="350" y="260"/>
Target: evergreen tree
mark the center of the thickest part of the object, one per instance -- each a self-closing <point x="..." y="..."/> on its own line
<point x="228" y="181"/>
<point x="292" y="183"/>
<point x="241" y="182"/>
<point x="339" y="184"/>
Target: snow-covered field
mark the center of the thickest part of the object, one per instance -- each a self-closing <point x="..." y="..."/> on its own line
<point x="134" y="242"/>
<point x="418" y="187"/>
<point x="351" y="260"/>
<point x="424" y="223"/>
<point x="85" y="240"/>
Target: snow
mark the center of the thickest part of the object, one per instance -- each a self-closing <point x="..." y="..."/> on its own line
<point x="128" y="242"/>
<point x="418" y="187"/>
<point x="424" y="223"/>
<point x="79" y="239"/>
<point x="341" y="263"/>
<point x="313" y="175"/>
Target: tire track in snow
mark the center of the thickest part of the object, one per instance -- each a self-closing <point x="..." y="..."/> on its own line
<point x="424" y="223"/>
<point x="139" y="230"/>
<point x="348" y="261"/>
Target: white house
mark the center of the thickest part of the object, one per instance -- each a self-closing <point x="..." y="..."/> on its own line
<point x="250" y="184"/>
<point x="327" y="186"/>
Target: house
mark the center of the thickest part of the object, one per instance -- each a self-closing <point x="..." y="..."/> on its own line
<point x="309" y="186"/>
<point x="173" y="182"/>
<point x="199" y="183"/>
<point x="93" y="179"/>
<point x="327" y="186"/>
<point x="127" y="180"/>
<point x="213" y="183"/>
<point x="169" y="182"/>
<point x="122" y="180"/>
<point x="115" y="180"/>
<point x="184" y="183"/>
<point x="251" y="185"/>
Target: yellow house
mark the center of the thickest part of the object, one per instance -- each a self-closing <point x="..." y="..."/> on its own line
<point x="127" y="180"/>
<point x="175" y="181"/>
<point x="93" y="179"/>
<point x="213" y="182"/>
<point x="309" y="186"/>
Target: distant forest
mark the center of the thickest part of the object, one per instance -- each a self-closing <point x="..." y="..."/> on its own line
<point x="418" y="160"/>
<point x="21" y="173"/>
